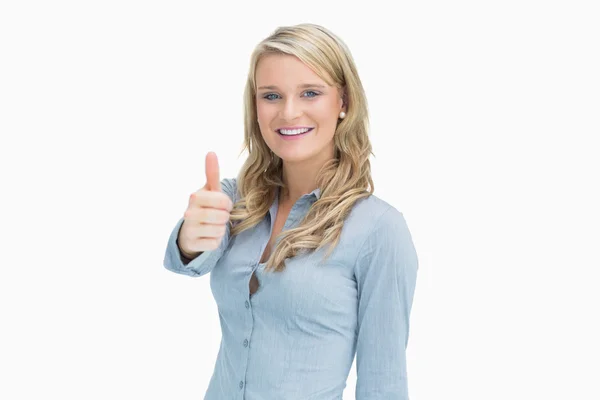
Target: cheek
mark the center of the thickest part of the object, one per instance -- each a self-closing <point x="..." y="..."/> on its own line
<point x="263" y="112"/>
<point x="326" y="113"/>
<point x="264" y="120"/>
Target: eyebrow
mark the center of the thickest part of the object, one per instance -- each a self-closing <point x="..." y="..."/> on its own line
<point x="306" y="85"/>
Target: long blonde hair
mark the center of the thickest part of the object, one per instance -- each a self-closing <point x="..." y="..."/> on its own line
<point x="343" y="180"/>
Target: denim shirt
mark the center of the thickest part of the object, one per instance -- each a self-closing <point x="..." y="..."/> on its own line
<point x="296" y="337"/>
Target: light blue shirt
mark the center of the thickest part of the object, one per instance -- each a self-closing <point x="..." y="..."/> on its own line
<point x="296" y="337"/>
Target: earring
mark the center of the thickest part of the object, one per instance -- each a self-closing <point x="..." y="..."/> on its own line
<point x="342" y="115"/>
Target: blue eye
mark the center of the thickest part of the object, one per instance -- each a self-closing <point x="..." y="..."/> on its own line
<point x="312" y="91"/>
<point x="267" y="96"/>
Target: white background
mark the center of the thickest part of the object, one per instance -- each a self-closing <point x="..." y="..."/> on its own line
<point x="484" y="123"/>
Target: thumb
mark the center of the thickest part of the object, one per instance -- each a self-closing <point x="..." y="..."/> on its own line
<point x="213" y="182"/>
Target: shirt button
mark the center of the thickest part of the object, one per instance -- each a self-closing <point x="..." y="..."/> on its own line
<point x="245" y="342"/>
<point x="241" y="384"/>
<point x="247" y="304"/>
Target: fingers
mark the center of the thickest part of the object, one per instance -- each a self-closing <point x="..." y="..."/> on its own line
<point x="204" y="231"/>
<point x="213" y="181"/>
<point x="210" y="199"/>
<point x="206" y="215"/>
<point x="204" y="244"/>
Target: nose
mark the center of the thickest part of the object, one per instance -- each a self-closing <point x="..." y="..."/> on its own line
<point x="290" y="110"/>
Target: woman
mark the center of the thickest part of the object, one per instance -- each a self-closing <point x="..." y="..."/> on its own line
<point x="308" y="267"/>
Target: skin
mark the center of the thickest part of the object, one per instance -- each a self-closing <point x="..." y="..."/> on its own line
<point x="281" y="101"/>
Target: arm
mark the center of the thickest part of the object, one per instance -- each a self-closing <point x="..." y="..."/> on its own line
<point x="204" y="262"/>
<point x="386" y="272"/>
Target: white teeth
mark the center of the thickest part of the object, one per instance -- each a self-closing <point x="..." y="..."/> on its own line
<point x="293" y="131"/>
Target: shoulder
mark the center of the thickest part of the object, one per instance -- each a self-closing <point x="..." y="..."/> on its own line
<point x="375" y="223"/>
<point x="383" y="237"/>
<point x="372" y="211"/>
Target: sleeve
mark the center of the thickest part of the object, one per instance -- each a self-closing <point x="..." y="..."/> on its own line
<point x="205" y="262"/>
<point x="386" y="272"/>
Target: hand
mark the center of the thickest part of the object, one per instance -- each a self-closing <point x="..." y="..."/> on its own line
<point x="207" y="214"/>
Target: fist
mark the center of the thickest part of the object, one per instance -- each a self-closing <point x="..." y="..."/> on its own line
<point x="207" y="215"/>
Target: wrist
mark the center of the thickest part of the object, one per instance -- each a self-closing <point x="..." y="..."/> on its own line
<point x="187" y="255"/>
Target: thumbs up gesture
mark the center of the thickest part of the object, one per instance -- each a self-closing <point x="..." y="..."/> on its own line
<point x="207" y="214"/>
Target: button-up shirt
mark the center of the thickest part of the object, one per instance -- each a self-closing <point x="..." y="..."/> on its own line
<point x="296" y="337"/>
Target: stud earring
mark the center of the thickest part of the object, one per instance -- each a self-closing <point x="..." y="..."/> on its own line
<point x="342" y="115"/>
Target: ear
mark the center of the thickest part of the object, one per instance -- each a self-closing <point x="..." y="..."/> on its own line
<point x="344" y="97"/>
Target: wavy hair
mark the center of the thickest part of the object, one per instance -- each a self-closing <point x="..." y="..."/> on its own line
<point x="343" y="180"/>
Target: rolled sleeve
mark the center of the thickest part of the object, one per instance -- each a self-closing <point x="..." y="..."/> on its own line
<point x="386" y="271"/>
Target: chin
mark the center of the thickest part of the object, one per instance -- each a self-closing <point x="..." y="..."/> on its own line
<point x="293" y="156"/>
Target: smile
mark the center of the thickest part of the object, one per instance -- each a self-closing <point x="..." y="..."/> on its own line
<point x="294" y="132"/>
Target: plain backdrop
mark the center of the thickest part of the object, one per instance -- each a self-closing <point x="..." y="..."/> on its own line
<point x="484" y="124"/>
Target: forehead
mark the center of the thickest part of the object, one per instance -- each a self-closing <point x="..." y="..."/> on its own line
<point x="284" y="70"/>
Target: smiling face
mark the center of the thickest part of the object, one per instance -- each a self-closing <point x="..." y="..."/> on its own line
<point x="291" y="96"/>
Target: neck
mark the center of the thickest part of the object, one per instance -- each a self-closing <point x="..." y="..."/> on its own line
<point x="300" y="178"/>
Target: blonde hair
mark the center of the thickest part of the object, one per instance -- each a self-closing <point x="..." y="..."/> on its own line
<point x="343" y="180"/>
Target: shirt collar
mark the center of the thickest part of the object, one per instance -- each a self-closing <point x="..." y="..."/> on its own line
<point x="275" y="206"/>
<point x="316" y="193"/>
